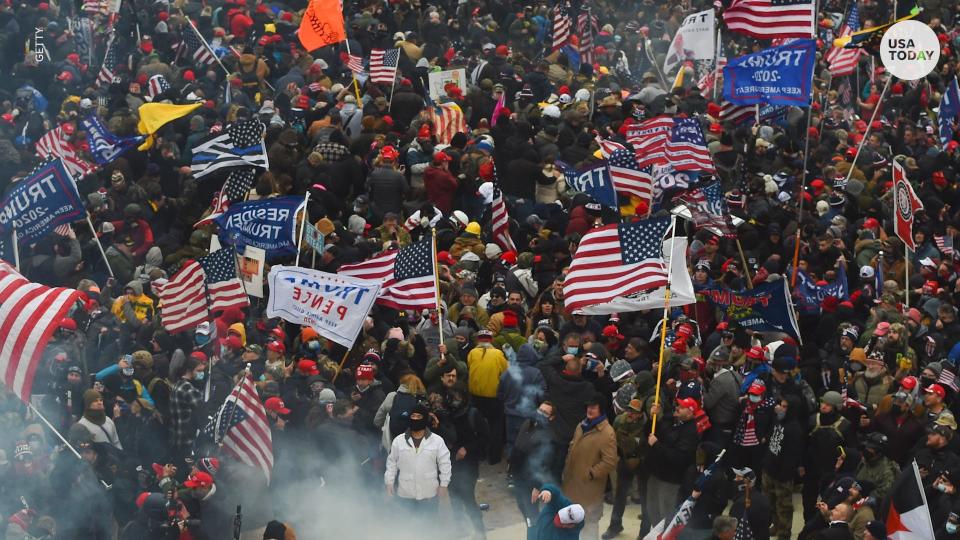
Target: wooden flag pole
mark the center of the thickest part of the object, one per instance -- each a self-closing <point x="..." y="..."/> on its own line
<point x="906" y="275"/>
<point x="356" y="85"/>
<point x="436" y="283"/>
<point x="16" y="250"/>
<point x="342" y="362"/>
<point x="743" y="260"/>
<point x="663" y="323"/>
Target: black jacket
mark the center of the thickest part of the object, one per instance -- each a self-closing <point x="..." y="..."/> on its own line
<point x="569" y="395"/>
<point x="675" y="450"/>
<point x="784" y="453"/>
<point x="759" y="515"/>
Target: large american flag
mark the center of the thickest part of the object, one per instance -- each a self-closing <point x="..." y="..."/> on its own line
<point x="709" y="209"/>
<point x="616" y="260"/>
<point x="677" y="142"/>
<point x="407" y="275"/>
<point x="768" y="19"/>
<point x="29" y="314"/>
<point x="383" y="65"/>
<point x="238" y="183"/>
<point x="108" y="71"/>
<point x="843" y="61"/>
<point x="607" y="146"/>
<point x="202" y="55"/>
<point x="54" y="145"/>
<point x="448" y="120"/>
<point x="562" y="23"/>
<point x="241" y="429"/>
<point x="500" y="218"/>
<point x="240" y="145"/>
<point x="627" y="176"/>
<point x="586" y="29"/>
<point x="205" y="285"/>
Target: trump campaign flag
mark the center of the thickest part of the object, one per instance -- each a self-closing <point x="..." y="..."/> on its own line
<point x="905" y="205"/>
<point x="105" y="146"/>
<point x="694" y="40"/>
<point x="949" y="109"/>
<point x="810" y="294"/>
<point x="333" y="305"/>
<point x="268" y="224"/>
<point x="322" y="25"/>
<point x="778" y="75"/>
<point x="594" y="181"/>
<point x="764" y="308"/>
<point x="38" y="204"/>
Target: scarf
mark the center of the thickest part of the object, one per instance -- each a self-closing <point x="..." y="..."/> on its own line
<point x="96" y="417"/>
<point x="588" y="424"/>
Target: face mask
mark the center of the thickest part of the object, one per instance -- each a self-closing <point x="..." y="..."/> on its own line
<point x="313" y="345"/>
<point x="781" y="415"/>
<point x="127" y="372"/>
<point x="542" y="418"/>
<point x="201" y="339"/>
<point x="942" y="488"/>
<point x="539" y="344"/>
<point x="418" y="424"/>
<point x="951" y="528"/>
<point x="926" y="381"/>
<point x="755" y="398"/>
<point x="573" y="350"/>
<point x="201" y="376"/>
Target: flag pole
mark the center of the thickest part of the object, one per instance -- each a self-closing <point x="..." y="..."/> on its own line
<point x="303" y="224"/>
<point x="16" y="250"/>
<point x="60" y="436"/>
<point x="906" y="274"/>
<point x="716" y="61"/>
<point x="743" y="260"/>
<point x="96" y="239"/>
<point x="866" y="133"/>
<point x="356" y="85"/>
<point x="392" y="87"/>
<point x="436" y="283"/>
<point x="663" y="323"/>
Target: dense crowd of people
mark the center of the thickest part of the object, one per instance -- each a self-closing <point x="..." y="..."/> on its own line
<point x="500" y="373"/>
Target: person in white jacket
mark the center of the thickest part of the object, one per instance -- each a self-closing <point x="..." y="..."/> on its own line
<point x="418" y="466"/>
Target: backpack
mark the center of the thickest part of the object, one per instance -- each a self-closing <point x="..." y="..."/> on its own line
<point x="403" y="405"/>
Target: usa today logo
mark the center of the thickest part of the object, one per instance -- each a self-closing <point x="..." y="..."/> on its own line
<point x="910" y="50"/>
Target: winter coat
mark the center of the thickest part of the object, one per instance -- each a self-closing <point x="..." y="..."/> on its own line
<point x="591" y="458"/>
<point x="467" y="242"/>
<point x="522" y="386"/>
<point x="674" y="451"/>
<point x="441" y="188"/>
<point x="784" y="450"/>
<point x="721" y="398"/>
<point x="569" y="394"/>
<point x="387" y="187"/>
<point x="544" y="529"/>
<point x="418" y="472"/>
<point x="486" y="365"/>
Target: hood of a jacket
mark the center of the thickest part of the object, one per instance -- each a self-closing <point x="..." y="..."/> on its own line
<point x="137" y="287"/>
<point x="154" y="257"/>
<point x="527" y="355"/>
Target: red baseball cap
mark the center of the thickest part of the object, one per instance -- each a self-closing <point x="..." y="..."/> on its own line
<point x="936" y="389"/>
<point x="199" y="479"/>
<point x="308" y="367"/>
<point x="276" y="405"/>
<point x="442" y="156"/>
<point x="389" y="152"/>
<point x="688" y="403"/>
<point x="870" y="223"/>
<point x="276" y="346"/>
<point x="755" y="352"/>
<point x="365" y="372"/>
<point x="756" y="389"/>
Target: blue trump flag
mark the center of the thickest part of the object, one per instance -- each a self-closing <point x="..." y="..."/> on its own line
<point x="810" y="295"/>
<point x="778" y="75"/>
<point x="105" y="146"/>
<point x="269" y="224"/>
<point x="764" y="308"/>
<point x="594" y="181"/>
<point x="949" y="109"/>
<point x="38" y="204"/>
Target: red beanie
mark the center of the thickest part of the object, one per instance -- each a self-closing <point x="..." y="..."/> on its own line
<point x="510" y="319"/>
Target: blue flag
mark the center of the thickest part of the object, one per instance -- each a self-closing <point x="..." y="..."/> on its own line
<point x="269" y="224"/>
<point x="778" y="75"/>
<point x="764" y="308"/>
<point x="949" y="109"/>
<point x="105" y="146"/>
<point x="38" y="204"/>
<point x="594" y="181"/>
<point x="810" y="295"/>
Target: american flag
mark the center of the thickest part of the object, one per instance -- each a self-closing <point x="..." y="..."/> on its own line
<point x="677" y="142"/>
<point x="355" y="63"/>
<point x="616" y="260"/>
<point x="54" y="145"/>
<point x="407" y="275"/>
<point x="205" y="285"/>
<point x="108" y="71"/>
<point x="238" y="183"/>
<point x="948" y="376"/>
<point x="241" y="145"/>
<point x="94" y="7"/>
<point x="743" y="532"/>
<point x="709" y="209"/>
<point x="769" y="19"/>
<point x="448" y="120"/>
<point x="157" y="85"/>
<point x="736" y="114"/>
<point x="202" y="55"/>
<point x="608" y="147"/>
<point x="383" y="65"/>
<point x="561" y="26"/>
<point x="627" y="177"/>
<point x="586" y="28"/>
<point x="840" y="60"/>
<point x="671" y="530"/>
<point x="705" y="83"/>
<point x="944" y="244"/>
<point x="29" y="314"/>
<point x="500" y="218"/>
<point x="240" y="427"/>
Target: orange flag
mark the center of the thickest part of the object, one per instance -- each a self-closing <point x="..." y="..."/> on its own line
<point x="322" y="24"/>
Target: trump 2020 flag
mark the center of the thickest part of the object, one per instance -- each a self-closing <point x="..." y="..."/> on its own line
<point x="810" y="293"/>
<point x="949" y="109"/>
<point x="909" y="516"/>
<point x="39" y="203"/>
<point x="905" y="206"/>
<point x="269" y="224"/>
<point x="105" y="146"/>
<point x="778" y="75"/>
<point x="594" y="181"/>
<point x="694" y="40"/>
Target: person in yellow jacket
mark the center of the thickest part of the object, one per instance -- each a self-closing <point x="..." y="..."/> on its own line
<point x="133" y="304"/>
<point x="485" y="365"/>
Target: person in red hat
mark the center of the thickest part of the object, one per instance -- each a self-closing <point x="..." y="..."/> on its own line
<point x="934" y="396"/>
<point x="386" y="183"/>
<point x="439" y="183"/>
<point x="753" y="427"/>
<point x="367" y="394"/>
<point x="276" y="409"/>
<point x="673" y="448"/>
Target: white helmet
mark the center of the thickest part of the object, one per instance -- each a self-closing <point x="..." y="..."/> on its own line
<point x="582" y="95"/>
<point x="551" y="111"/>
<point x="459" y="218"/>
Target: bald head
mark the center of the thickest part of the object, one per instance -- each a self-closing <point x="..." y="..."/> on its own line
<point x="841" y="512"/>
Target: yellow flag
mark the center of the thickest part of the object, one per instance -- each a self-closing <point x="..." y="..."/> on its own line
<point x="154" y="116"/>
